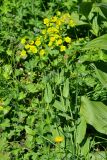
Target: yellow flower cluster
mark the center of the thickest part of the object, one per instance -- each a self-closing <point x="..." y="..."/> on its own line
<point x="33" y="46"/>
<point x="53" y="35"/>
<point x="59" y="20"/>
<point x="23" y="41"/>
<point x="58" y="139"/>
<point x="55" y="28"/>
<point x="23" y="54"/>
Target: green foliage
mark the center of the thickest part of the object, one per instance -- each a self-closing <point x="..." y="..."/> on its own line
<point x="97" y="112"/>
<point x="99" y="43"/>
<point x="52" y="90"/>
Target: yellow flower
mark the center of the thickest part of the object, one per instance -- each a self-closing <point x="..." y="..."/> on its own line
<point x="46" y="21"/>
<point x="67" y="39"/>
<point x="32" y="42"/>
<point x="42" y="52"/>
<point x="1" y="108"/>
<point x="52" y="39"/>
<point x="57" y="26"/>
<point x="54" y="19"/>
<point x="27" y="46"/>
<point x="71" y="23"/>
<point x="33" y="49"/>
<point x="38" y="42"/>
<point x="23" y="41"/>
<point x="44" y="31"/>
<point x="51" y="30"/>
<point x="58" y="22"/>
<point x="65" y="18"/>
<point x="50" y="24"/>
<point x="54" y="29"/>
<point x="56" y="36"/>
<point x="58" y="13"/>
<point x="62" y="48"/>
<point x="58" y="139"/>
<point x="23" y="54"/>
<point x="58" y="42"/>
<point x="50" y="44"/>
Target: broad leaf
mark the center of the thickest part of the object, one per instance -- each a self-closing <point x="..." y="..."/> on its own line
<point x="100" y="155"/>
<point x="81" y="130"/>
<point x="102" y="76"/>
<point x="97" y="43"/>
<point x="4" y="156"/>
<point x="95" y="114"/>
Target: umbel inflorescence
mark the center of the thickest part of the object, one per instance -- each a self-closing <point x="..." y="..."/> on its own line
<point x="52" y="36"/>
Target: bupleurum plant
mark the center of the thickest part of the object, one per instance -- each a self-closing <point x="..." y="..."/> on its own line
<point x="52" y="36"/>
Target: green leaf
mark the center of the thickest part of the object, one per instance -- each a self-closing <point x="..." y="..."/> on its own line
<point x="7" y="71"/>
<point x="76" y="19"/>
<point x="65" y="116"/>
<point x="86" y="148"/>
<point x="95" y="27"/>
<point x="103" y="7"/>
<point x="21" y="95"/>
<point x="5" y="124"/>
<point x="66" y="88"/>
<point x="59" y="106"/>
<point x="4" y="156"/>
<point x="48" y="94"/>
<point x="31" y="88"/>
<point x="29" y="143"/>
<point x="81" y="130"/>
<point x="100" y="155"/>
<point x="29" y="131"/>
<point x="102" y="76"/>
<point x="83" y="9"/>
<point x="97" y="43"/>
<point x="95" y="114"/>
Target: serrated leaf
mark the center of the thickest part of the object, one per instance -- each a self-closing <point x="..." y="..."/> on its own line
<point x="29" y="131"/>
<point x="21" y="95"/>
<point x="31" y="88"/>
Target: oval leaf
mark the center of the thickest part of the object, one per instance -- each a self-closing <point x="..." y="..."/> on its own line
<point x="95" y="114"/>
<point x="100" y="42"/>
